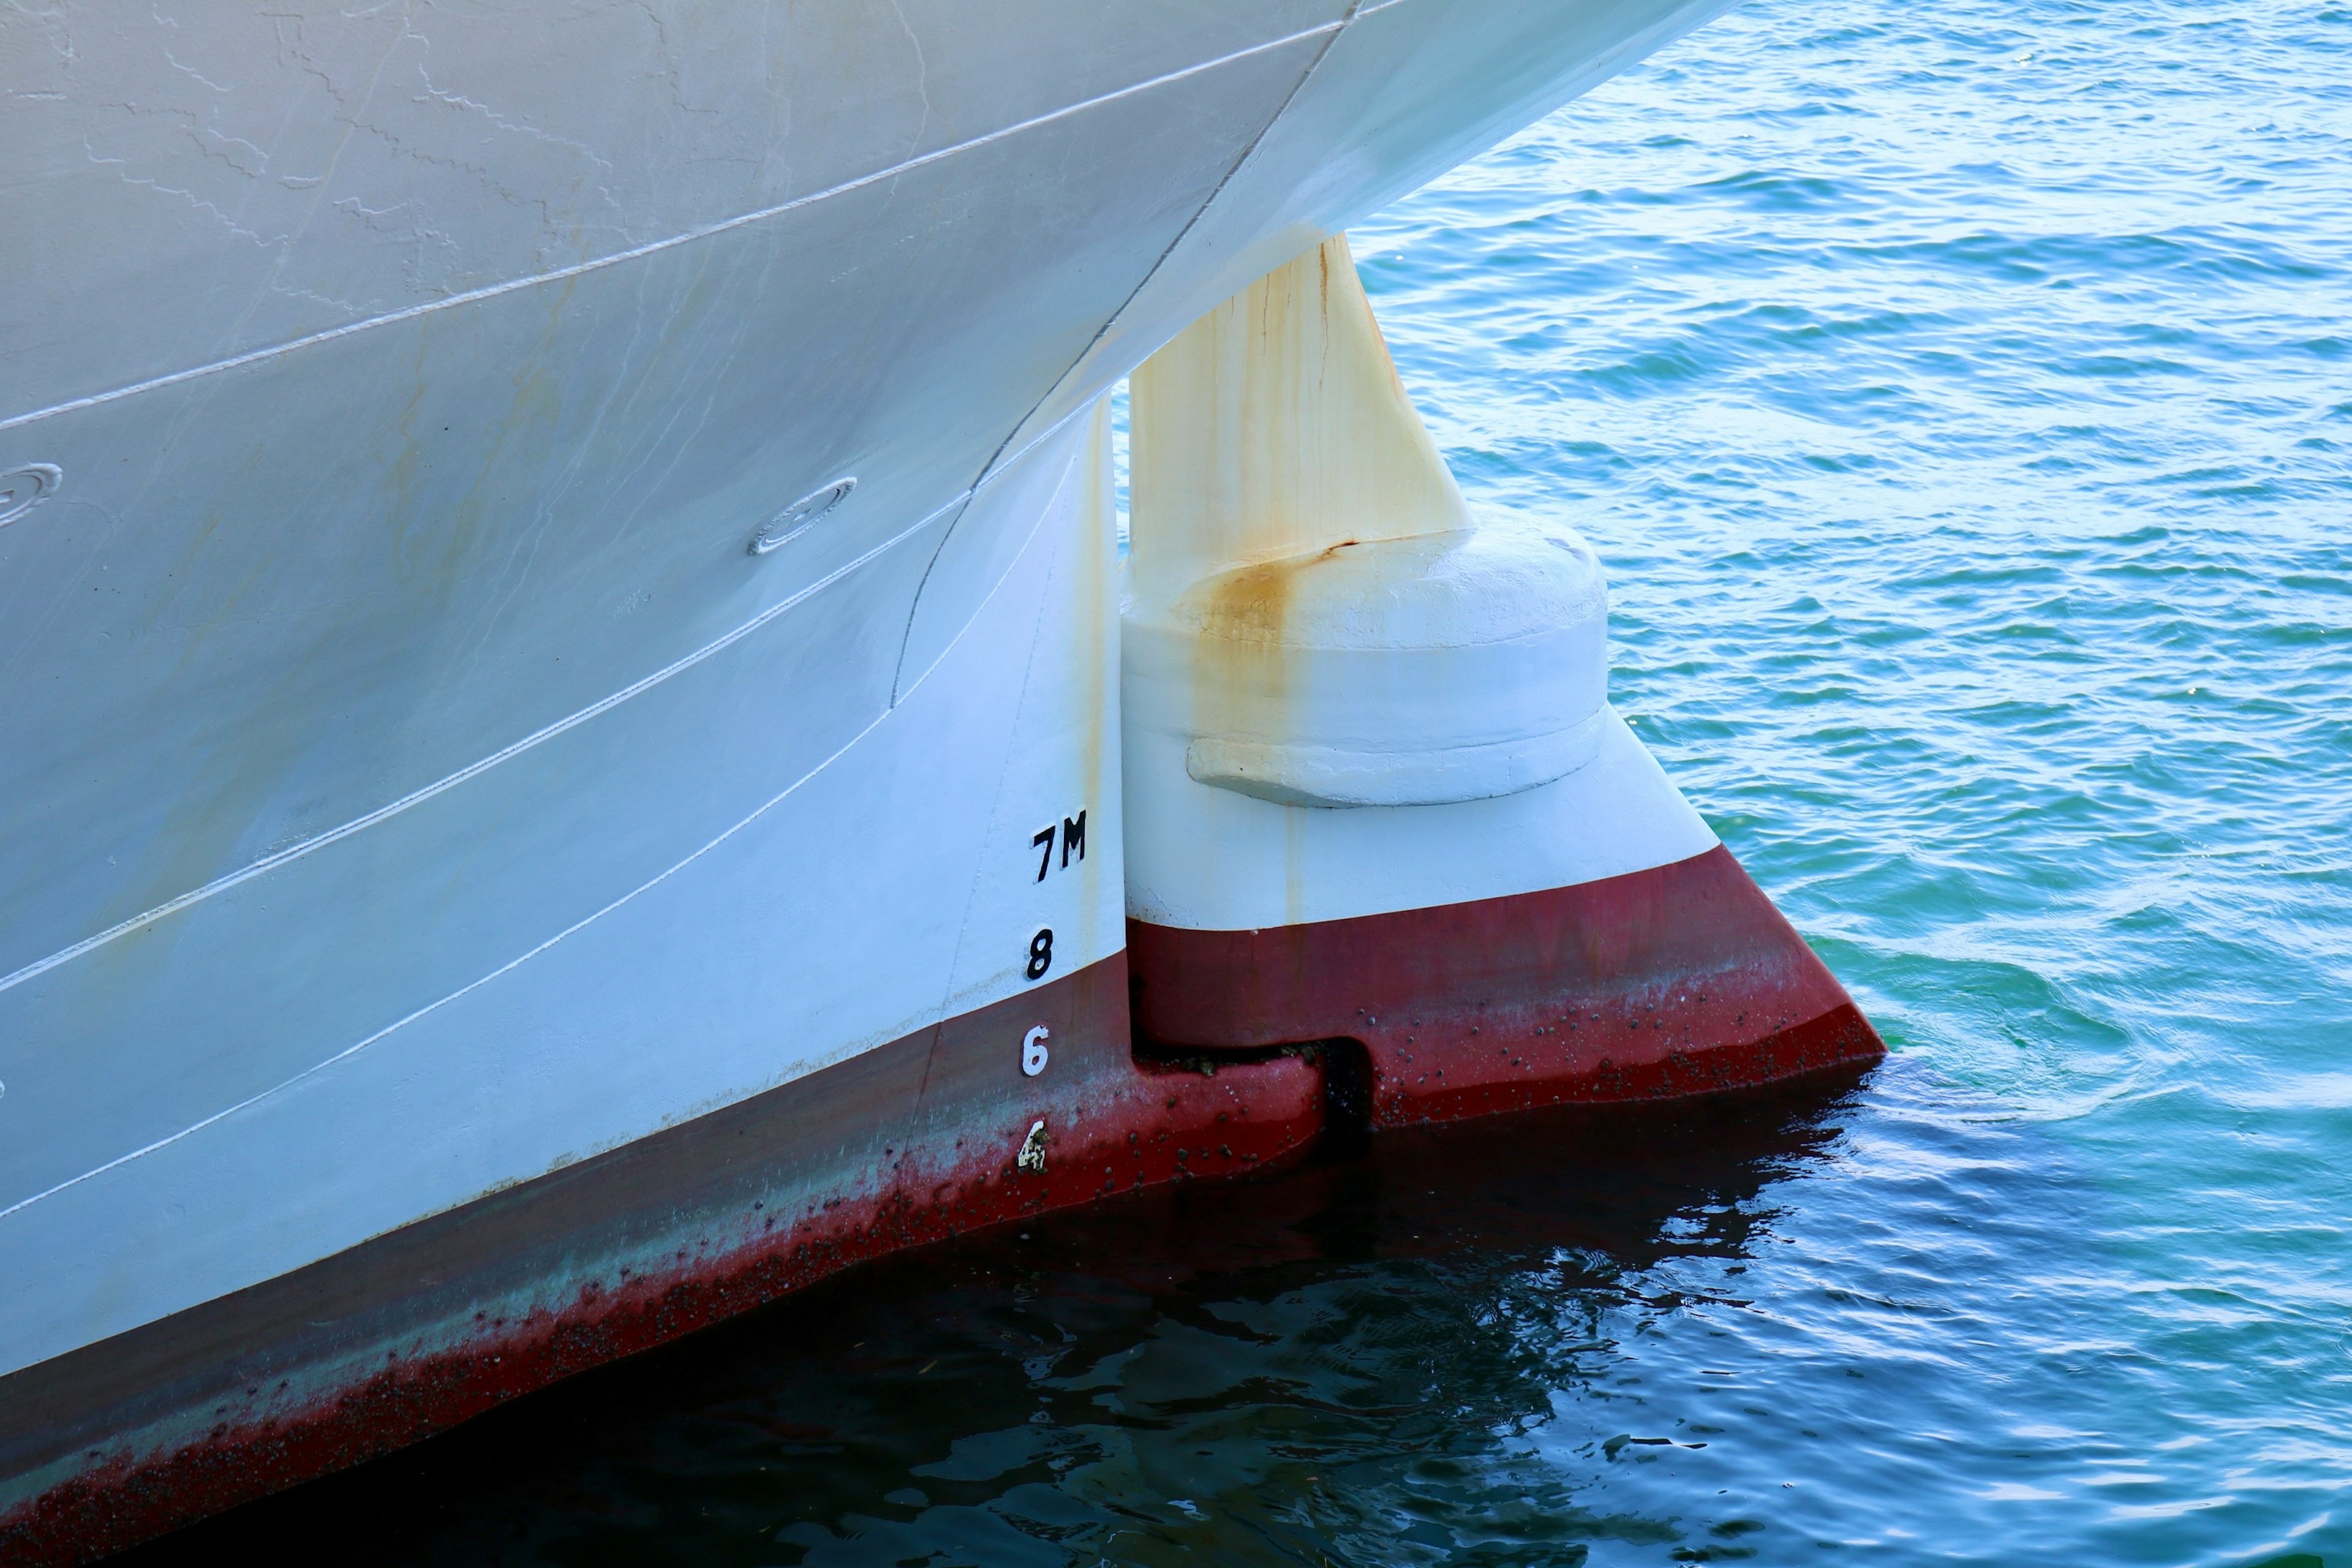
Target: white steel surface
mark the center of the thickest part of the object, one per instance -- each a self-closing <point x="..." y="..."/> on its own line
<point x="410" y="778"/>
<point x="1343" y="695"/>
<point x="1308" y="598"/>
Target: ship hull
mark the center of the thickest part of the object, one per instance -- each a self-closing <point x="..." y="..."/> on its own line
<point x="389" y="1342"/>
<point x="435" y="841"/>
<point x="1676" y="980"/>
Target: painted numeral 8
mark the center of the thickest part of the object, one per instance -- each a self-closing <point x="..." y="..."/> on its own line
<point x="1041" y="954"/>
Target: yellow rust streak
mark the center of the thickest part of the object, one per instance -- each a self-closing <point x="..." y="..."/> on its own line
<point x="1275" y="427"/>
<point x="1268" y="436"/>
<point x="1252" y="604"/>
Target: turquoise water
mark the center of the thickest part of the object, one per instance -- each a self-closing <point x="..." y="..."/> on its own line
<point x="1961" y="400"/>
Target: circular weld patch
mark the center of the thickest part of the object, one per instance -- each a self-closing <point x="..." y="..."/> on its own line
<point x="21" y="490"/>
<point x="794" y="520"/>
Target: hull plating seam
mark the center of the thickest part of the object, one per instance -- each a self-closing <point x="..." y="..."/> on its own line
<point x="654" y="247"/>
<point x="999" y="466"/>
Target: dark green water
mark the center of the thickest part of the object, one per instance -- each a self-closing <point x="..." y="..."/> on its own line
<point x="1961" y="396"/>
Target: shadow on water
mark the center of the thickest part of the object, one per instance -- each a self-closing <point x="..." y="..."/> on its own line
<point x="1340" y="1363"/>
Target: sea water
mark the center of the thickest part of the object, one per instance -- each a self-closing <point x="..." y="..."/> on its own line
<point x="1960" y="398"/>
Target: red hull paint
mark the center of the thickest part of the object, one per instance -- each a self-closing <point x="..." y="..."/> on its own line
<point x="1679" y="980"/>
<point x="1671" y="981"/>
<point x="1116" y="1125"/>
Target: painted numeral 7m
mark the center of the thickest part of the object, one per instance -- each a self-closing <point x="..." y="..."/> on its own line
<point x="1073" y="839"/>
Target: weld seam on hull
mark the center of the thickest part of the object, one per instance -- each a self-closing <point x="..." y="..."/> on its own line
<point x="653" y="247"/>
<point x="536" y="738"/>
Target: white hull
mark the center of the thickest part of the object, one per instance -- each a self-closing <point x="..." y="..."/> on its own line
<point x="410" y="784"/>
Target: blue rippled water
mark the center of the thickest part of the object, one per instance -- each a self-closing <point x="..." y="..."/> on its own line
<point x="1961" y="396"/>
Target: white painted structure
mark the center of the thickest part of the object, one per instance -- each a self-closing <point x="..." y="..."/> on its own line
<point x="1307" y="597"/>
<point x="1344" y="695"/>
<point x="432" y="747"/>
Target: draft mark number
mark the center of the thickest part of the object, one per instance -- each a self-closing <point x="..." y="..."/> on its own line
<point x="1072" y="835"/>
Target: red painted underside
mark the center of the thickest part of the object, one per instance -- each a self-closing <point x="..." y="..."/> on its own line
<point x="1159" y="1125"/>
<point x="1670" y="982"/>
<point x="1675" y="981"/>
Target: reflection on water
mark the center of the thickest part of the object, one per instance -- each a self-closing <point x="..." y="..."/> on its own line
<point x="1374" y="1360"/>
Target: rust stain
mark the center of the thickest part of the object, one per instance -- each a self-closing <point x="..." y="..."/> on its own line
<point x="1244" y="625"/>
<point x="1242" y="675"/>
<point x="1269" y="437"/>
<point x="1253" y="604"/>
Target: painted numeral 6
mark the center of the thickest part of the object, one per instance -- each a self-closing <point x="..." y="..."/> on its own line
<point x="1032" y="1051"/>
